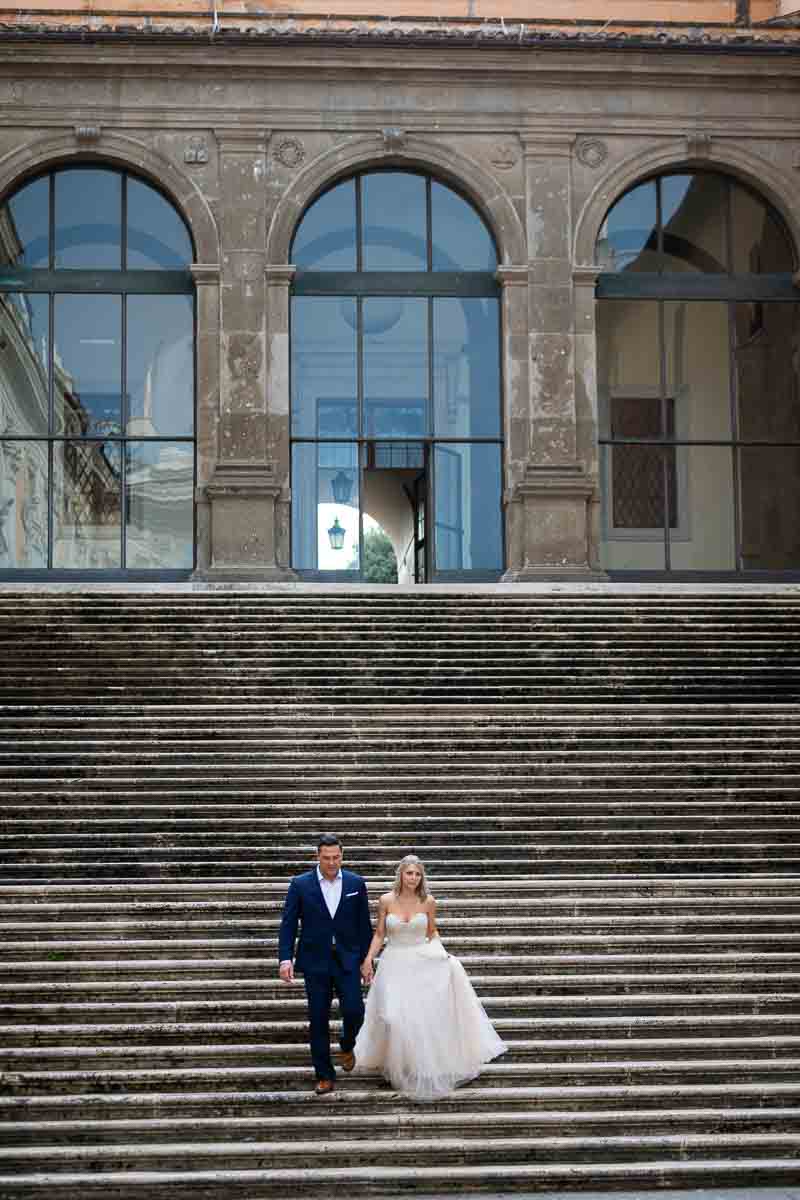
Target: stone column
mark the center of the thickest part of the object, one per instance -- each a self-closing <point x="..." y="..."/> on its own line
<point x="279" y="281"/>
<point x="584" y="285"/>
<point x="242" y="491"/>
<point x="551" y="517"/>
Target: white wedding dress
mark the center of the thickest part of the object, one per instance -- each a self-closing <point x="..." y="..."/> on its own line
<point x="424" y="1030"/>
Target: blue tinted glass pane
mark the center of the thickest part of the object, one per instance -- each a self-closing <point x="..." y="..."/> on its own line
<point x="325" y="506"/>
<point x="461" y="241"/>
<point x="395" y="222"/>
<point x="24" y="369"/>
<point x="160" y="355"/>
<point x="693" y="213"/>
<point x="628" y="238"/>
<point x="395" y="367"/>
<point x="324" y="372"/>
<point x="88" y="217"/>
<point x="87" y="505"/>
<point x="466" y="368"/>
<point x="23" y="504"/>
<point x="157" y="236"/>
<point x="159" y="505"/>
<point x="467" y="488"/>
<point x="26" y="218"/>
<point x="326" y="237"/>
<point x="88" y="364"/>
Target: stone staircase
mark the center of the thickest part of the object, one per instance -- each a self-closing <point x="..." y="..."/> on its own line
<point x="603" y="786"/>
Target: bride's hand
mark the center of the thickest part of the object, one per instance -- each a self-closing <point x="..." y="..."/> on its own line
<point x="367" y="970"/>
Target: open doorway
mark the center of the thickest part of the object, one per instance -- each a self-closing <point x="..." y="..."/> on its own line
<point x="394" y="500"/>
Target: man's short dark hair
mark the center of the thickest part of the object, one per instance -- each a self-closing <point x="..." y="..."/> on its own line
<point x="327" y="839"/>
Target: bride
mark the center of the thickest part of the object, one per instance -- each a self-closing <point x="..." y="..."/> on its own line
<point x="425" y="1030"/>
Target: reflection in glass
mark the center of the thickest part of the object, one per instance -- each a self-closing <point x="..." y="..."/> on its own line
<point x="324" y="367"/>
<point x="157" y="237"/>
<point x="25" y="226"/>
<point x="766" y="370"/>
<point x="395" y="222"/>
<point x="395" y="367"/>
<point x="634" y="547"/>
<point x="87" y="364"/>
<point x="693" y="212"/>
<point x="86" y="505"/>
<point x="628" y="349"/>
<point x="160" y="366"/>
<point x="770" y="507"/>
<point x="23" y="504"/>
<point x="638" y="481"/>
<point x="760" y="242"/>
<point x="461" y="241"/>
<point x="159" y="509"/>
<point x="628" y="239"/>
<point x="326" y="237"/>
<point x="697" y="362"/>
<point x="24" y="336"/>
<point x="704" y="540"/>
<point x="468" y="525"/>
<point x="466" y="368"/>
<point x="319" y="475"/>
<point x="88" y="219"/>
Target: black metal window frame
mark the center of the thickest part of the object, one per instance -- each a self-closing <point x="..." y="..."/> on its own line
<point x="66" y="281"/>
<point x="731" y="289"/>
<point x="430" y="285"/>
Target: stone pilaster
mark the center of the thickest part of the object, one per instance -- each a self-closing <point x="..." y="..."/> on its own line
<point x="206" y="280"/>
<point x="548" y="506"/>
<point x="242" y="490"/>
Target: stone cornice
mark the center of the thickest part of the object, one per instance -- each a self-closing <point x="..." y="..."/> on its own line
<point x="279" y="274"/>
<point x="512" y="276"/>
<point x="205" y="273"/>
<point x="241" y="478"/>
<point x="234" y="139"/>
<point x="565" y="480"/>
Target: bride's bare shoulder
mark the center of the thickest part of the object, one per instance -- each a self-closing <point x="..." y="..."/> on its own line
<point x="386" y="899"/>
<point x="430" y="903"/>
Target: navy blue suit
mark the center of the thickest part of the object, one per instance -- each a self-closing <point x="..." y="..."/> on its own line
<point x="330" y="951"/>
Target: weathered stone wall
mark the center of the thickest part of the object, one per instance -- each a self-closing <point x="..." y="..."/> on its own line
<point x="243" y="139"/>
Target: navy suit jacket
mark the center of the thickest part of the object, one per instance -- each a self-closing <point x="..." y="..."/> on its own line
<point x="350" y="930"/>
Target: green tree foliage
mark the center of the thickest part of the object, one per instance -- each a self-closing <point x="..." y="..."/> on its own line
<point x="380" y="564"/>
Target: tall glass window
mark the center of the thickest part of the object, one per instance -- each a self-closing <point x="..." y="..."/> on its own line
<point x="395" y="369"/>
<point x="699" y="380"/>
<point x="96" y="376"/>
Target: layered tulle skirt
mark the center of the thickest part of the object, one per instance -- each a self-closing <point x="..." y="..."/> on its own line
<point x="424" y="1030"/>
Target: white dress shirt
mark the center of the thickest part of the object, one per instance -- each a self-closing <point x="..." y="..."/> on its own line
<point x="331" y="891"/>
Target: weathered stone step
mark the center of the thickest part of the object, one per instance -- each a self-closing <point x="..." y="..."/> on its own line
<point x="277" y="1154"/>
<point x="171" y="982"/>
<point x="240" y="1185"/>
<point x="407" y="1125"/>
<point x="367" y="1100"/>
<point x="287" y="1025"/>
<point x="603" y="1071"/>
<point x="507" y="999"/>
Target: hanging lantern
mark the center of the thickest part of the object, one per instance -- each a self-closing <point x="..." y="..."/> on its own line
<point x="336" y="535"/>
<point x="342" y="487"/>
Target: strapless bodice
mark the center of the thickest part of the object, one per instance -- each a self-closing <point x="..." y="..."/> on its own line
<point x="406" y="933"/>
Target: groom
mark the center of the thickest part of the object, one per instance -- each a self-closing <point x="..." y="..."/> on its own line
<point x="332" y="909"/>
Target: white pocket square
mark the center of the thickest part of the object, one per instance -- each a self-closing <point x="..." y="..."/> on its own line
<point x="349" y="894"/>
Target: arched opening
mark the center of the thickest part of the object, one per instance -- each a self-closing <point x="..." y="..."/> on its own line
<point x="698" y="335"/>
<point x="97" y="398"/>
<point x="395" y="381"/>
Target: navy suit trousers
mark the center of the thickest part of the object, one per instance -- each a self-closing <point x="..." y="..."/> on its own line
<point x="320" y="989"/>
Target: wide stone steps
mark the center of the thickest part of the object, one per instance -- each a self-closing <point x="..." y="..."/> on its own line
<point x="604" y="788"/>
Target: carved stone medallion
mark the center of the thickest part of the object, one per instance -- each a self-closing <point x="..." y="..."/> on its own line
<point x="289" y="152"/>
<point x="592" y="152"/>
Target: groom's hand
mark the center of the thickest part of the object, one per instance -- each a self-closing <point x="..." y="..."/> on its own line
<point x="367" y="970"/>
<point x="286" y="972"/>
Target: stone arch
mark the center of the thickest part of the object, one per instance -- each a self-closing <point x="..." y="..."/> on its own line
<point x="113" y="149"/>
<point x="759" y="174"/>
<point x="448" y="165"/>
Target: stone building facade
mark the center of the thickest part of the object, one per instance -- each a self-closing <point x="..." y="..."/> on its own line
<point x="242" y="123"/>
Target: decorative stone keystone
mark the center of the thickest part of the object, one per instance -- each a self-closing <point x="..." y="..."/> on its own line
<point x="88" y="133"/>
<point x="698" y="144"/>
<point x="393" y="139"/>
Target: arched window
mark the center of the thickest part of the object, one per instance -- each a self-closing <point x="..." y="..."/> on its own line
<point x="96" y="376"/>
<point x="395" y="381"/>
<point x="699" y="380"/>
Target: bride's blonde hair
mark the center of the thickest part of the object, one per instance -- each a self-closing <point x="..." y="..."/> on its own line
<point x="411" y="860"/>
